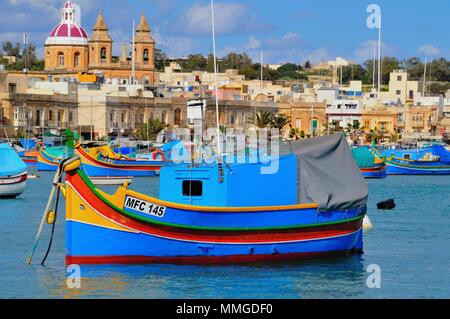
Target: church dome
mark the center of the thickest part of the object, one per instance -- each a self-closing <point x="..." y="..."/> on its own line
<point x="68" y="31"/>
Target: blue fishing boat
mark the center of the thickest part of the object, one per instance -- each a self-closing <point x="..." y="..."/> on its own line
<point x="312" y="204"/>
<point x="429" y="161"/>
<point x="102" y="161"/>
<point x="13" y="172"/>
<point x="49" y="158"/>
<point x="370" y="165"/>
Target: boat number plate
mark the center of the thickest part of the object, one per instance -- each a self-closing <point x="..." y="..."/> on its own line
<point x="142" y="206"/>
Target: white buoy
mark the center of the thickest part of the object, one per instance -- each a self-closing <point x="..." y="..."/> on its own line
<point x="367" y="224"/>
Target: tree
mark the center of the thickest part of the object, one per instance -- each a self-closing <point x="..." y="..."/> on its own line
<point x="279" y="121"/>
<point x="249" y="72"/>
<point x="415" y="68"/>
<point x="160" y="59"/>
<point x="440" y="70"/>
<point x="26" y="56"/>
<point x="150" y="130"/>
<point x="194" y="62"/>
<point x="307" y="64"/>
<point x="11" y="50"/>
<point x="388" y="65"/>
<point x="262" y="119"/>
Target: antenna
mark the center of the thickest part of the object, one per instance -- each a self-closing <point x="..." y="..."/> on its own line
<point x="219" y="147"/>
<point x="133" y="65"/>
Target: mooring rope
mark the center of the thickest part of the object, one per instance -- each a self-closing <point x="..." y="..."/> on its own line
<point x="44" y="216"/>
<point x="50" y="202"/>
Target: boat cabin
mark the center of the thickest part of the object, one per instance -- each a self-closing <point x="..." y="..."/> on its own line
<point x="231" y="185"/>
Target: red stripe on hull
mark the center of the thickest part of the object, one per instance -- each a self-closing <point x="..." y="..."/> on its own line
<point x="201" y="260"/>
<point x="279" y="235"/>
<point x="21" y="178"/>
<point x="372" y="169"/>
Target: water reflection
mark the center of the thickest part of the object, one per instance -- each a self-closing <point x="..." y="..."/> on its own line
<point x="318" y="278"/>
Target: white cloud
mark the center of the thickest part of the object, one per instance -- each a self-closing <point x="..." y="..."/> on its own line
<point x="175" y="46"/>
<point x="318" y="55"/>
<point x="287" y="41"/>
<point x="365" y="50"/>
<point x="253" y="43"/>
<point x="429" y="50"/>
<point x="229" y="17"/>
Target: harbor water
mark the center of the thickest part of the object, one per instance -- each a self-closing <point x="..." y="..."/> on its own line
<point x="409" y="244"/>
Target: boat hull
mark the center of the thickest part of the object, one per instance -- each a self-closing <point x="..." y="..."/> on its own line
<point x="11" y="187"/>
<point x="96" y="245"/>
<point x="104" y="228"/>
<point x="403" y="167"/>
<point x="98" y="171"/>
<point x="117" y="167"/>
<point x="46" y="162"/>
<point x="374" y="172"/>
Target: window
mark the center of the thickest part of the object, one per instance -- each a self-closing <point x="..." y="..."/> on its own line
<point x="192" y="188"/>
<point x="145" y="56"/>
<point x="38" y="117"/>
<point x="60" y="59"/>
<point x="70" y="117"/>
<point x="103" y="55"/>
<point x="177" y="117"/>
<point x="398" y="92"/>
<point x="12" y="87"/>
<point x="407" y="156"/>
<point x="313" y="125"/>
<point x="122" y="117"/>
<point x="411" y="94"/>
<point x="399" y="77"/>
<point x="50" y="115"/>
<point x="297" y="123"/>
<point x="76" y="60"/>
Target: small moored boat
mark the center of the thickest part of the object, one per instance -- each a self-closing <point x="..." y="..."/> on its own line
<point x="370" y="165"/>
<point x="102" y="161"/>
<point x="433" y="161"/>
<point x="13" y="172"/>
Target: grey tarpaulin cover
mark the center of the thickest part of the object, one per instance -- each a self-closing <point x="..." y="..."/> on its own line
<point x="328" y="175"/>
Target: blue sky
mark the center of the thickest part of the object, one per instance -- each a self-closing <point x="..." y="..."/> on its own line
<point x="287" y="30"/>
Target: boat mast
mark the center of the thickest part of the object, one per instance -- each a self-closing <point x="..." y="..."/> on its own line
<point x="379" y="56"/>
<point x="373" y="67"/>
<point x="219" y="147"/>
<point x="424" y="77"/>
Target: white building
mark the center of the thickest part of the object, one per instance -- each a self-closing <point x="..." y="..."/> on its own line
<point x="341" y="113"/>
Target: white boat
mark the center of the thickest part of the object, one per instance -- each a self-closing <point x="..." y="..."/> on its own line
<point x="13" y="172"/>
<point x="12" y="186"/>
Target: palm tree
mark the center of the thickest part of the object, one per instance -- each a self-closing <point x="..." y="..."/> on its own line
<point x="261" y="119"/>
<point x="279" y="121"/>
<point x="349" y="127"/>
<point x="150" y="130"/>
<point x="294" y="133"/>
